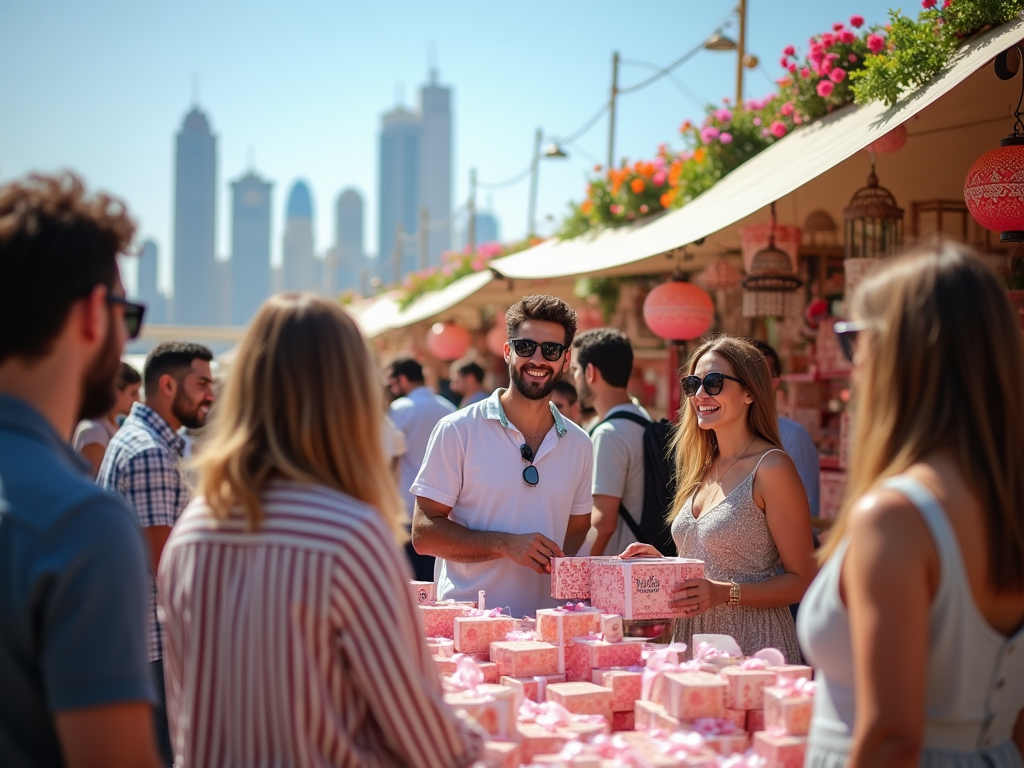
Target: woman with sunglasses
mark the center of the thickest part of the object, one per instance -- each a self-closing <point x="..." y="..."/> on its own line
<point x="916" y="621"/>
<point x="740" y="505"/>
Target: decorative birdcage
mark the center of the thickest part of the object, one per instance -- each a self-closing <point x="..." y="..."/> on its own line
<point x="820" y="230"/>
<point x="874" y="222"/>
<point x="770" y="287"/>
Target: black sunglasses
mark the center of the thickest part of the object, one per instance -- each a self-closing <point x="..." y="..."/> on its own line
<point x="847" y="335"/>
<point x="712" y="383"/>
<point x="133" y="314"/>
<point x="551" y="350"/>
<point x="530" y="473"/>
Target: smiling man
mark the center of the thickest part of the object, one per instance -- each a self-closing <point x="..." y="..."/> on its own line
<point x="142" y="464"/>
<point x="505" y="484"/>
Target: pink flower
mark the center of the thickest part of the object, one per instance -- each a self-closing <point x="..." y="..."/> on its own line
<point x="852" y="58"/>
<point x="723" y="115"/>
<point x="837" y="75"/>
<point x="846" y="37"/>
<point x="765" y="132"/>
<point x="789" y="50"/>
<point x="876" y="43"/>
<point x="757" y="121"/>
<point x="615" y="208"/>
<point x="927" y="3"/>
<point x="447" y="271"/>
<point x="797" y="119"/>
<point x="783" y="62"/>
<point x="708" y="134"/>
<point x="777" y="129"/>
<point x="838" y="26"/>
<point x="787" y="109"/>
<point x="857" y="21"/>
<point x="659" y="161"/>
<point x="946" y="3"/>
<point x="479" y="265"/>
<point x="828" y="40"/>
<point x="725" y="137"/>
<point x="660" y="177"/>
<point x="805" y="73"/>
<point x="825" y="88"/>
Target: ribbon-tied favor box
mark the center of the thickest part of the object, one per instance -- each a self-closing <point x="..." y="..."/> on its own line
<point x="787" y="711"/>
<point x="651" y="716"/>
<point x="423" y="592"/>
<point x="792" y="673"/>
<point x="525" y="658"/>
<point x="693" y="695"/>
<point x="585" y="654"/>
<point x="780" y="751"/>
<point x="492" y="706"/>
<point x="625" y="685"/>
<point x="582" y="698"/>
<point x="501" y="754"/>
<point x="529" y="687"/>
<point x="560" y="625"/>
<point x="640" y="588"/>
<point x="474" y="634"/>
<point x="570" y="578"/>
<point x="745" y="688"/>
<point x="439" y="619"/>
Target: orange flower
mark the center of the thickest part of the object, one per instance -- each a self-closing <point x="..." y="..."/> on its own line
<point x="587" y="206"/>
<point x="649" y="169"/>
<point x="698" y="154"/>
<point x="637" y="185"/>
<point x="598" y="168"/>
<point x="667" y="198"/>
<point x="687" y="125"/>
<point x="638" y="166"/>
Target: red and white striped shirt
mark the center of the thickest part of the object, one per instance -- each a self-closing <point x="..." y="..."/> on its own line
<point x="298" y="644"/>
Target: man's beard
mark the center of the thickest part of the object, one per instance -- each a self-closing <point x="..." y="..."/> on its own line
<point x="187" y="414"/>
<point x="100" y="386"/>
<point x="530" y="389"/>
<point x="584" y="394"/>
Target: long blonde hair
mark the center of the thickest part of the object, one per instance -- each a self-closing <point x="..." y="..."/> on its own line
<point x="302" y="401"/>
<point x="943" y="339"/>
<point x="695" y="448"/>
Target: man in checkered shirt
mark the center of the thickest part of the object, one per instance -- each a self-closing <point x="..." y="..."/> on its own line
<point x="142" y="463"/>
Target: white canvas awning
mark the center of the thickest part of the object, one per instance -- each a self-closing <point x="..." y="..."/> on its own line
<point x="779" y="170"/>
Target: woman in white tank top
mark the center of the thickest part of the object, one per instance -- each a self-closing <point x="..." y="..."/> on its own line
<point x="915" y="622"/>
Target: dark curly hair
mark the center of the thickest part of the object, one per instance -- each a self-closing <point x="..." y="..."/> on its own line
<point x="549" y="309"/>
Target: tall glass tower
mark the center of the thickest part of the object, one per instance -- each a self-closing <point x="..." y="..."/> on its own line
<point x="348" y="241"/>
<point x="250" y="246"/>
<point x="300" y="269"/>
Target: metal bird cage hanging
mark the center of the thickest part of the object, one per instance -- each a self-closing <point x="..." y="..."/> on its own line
<point x="770" y="289"/>
<point x="874" y="222"/>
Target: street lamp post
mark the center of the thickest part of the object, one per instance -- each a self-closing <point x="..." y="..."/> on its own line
<point x="552" y="150"/>
<point x="719" y="42"/>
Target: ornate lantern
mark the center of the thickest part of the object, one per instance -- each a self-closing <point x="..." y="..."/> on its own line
<point x="994" y="189"/>
<point x="874" y="222"/>
<point x="678" y="310"/>
<point x="893" y="141"/>
<point x="769" y="289"/>
<point x="820" y="230"/>
<point x="448" y="341"/>
<point x="720" y="274"/>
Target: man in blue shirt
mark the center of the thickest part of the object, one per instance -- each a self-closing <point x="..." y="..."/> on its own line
<point x="74" y="683"/>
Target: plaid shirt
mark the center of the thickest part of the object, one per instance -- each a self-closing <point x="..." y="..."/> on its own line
<point x="141" y="464"/>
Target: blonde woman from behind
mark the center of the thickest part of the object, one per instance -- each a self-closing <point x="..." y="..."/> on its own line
<point x="916" y="620"/>
<point x="292" y="638"/>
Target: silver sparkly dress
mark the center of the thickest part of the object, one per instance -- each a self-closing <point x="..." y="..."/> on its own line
<point x="733" y="540"/>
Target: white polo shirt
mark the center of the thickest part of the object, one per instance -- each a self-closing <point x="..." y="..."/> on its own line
<point x="474" y="466"/>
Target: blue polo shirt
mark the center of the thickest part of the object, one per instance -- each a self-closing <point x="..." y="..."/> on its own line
<point x="73" y="570"/>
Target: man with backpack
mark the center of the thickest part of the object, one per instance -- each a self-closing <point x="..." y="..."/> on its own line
<point x="631" y="469"/>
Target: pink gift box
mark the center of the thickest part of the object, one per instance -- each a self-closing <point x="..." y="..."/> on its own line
<point x="611" y="628"/>
<point x="625" y="685"/>
<point x="501" y="754"/>
<point x="651" y="716"/>
<point x="559" y="626"/>
<point x="780" y="751"/>
<point x="570" y="578"/>
<point x="439" y="619"/>
<point x="582" y="698"/>
<point x="738" y="717"/>
<point x="728" y="744"/>
<point x="640" y="588"/>
<point x="792" y="672"/>
<point x="525" y="658"/>
<point x="787" y="711"/>
<point x="441" y="646"/>
<point x="492" y="706"/>
<point x="445" y="664"/>
<point x="423" y="592"/>
<point x="745" y="688"/>
<point x="474" y="634"/>
<point x="490" y="672"/>
<point x="584" y="655"/>
<point x="537" y="740"/>
<point x="755" y="720"/>
<point x="690" y="695"/>
<point x="529" y="687"/>
<point x="623" y="721"/>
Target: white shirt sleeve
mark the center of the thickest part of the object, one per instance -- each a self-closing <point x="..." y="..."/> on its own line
<point x="440" y="475"/>
<point x="583" y="502"/>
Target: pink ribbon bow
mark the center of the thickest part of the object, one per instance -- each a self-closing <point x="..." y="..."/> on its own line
<point x="715" y="726"/>
<point x="772" y="656"/>
<point x="799" y="687"/>
<point x="552" y="715"/>
<point x="682" y="744"/>
<point x="575" y="607"/>
<point x="664" y="661"/>
<point x="468" y="675"/>
<point x="520" y="634"/>
<point x="706" y="651"/>
<point x="491" y="612"/>
<point x="754" y="663"/>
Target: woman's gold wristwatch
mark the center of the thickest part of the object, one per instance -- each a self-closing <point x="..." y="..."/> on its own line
<point x="734" y="593"/>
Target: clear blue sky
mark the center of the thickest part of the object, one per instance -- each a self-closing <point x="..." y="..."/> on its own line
<point x="102" y="87"/>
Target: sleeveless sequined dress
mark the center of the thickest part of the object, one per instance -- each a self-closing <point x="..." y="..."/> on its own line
<point x="733" y="540"/>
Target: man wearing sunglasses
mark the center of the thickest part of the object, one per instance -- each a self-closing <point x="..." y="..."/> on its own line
<point x="505" y="484"/>
<point x="75" y="686"/>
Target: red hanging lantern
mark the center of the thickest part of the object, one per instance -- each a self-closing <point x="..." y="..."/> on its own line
<point x="893" y="141"/>
<point x="994" y="188"/>
<point x="448" y="341"/>
<point x="678" y="311"/>
<point x="496" y="338"/>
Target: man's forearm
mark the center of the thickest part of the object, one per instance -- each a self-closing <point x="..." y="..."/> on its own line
<point x="574" y="540"/>
<point x="600" y="542"/>
<point x="444" y="538"/>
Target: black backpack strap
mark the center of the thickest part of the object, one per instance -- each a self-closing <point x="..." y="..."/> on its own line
<point x="636" y="418"/>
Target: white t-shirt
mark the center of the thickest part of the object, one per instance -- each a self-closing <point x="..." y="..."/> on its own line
<point x="474" y="466"/>
<point x="416" y="415"/>
<point x="619" y="469"/>
<point x="392" y="439"/>
<point x="92" y="432"/>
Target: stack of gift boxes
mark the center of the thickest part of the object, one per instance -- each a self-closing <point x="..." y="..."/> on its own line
<point x="570" y="689"/>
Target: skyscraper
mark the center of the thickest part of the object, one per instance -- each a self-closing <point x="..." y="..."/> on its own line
<point x="348" y="241"/>
<point x="436" y="164"/>
<point x="195" y="216"/>
<point x="399" y="180"/>
<point x="250" y="246"/>
<point x="486" y="230"/>
<point x="300" y="272"/>
<point x="148" y="285"/>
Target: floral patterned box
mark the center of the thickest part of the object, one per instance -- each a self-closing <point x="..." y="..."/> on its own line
<point x="423" y="592"/>
<point x="570" y="578"/>
<point x="582" y="698"/>
<point x="439" y="619"/>
<point x="492" y="706"/>
<point x="501" y="754"/>
<point x="640" y="588"/>
<point x="529" y="687"/>
<point x="780" y="751"/>
<point x="445" y="664"/>
<point x="535" y="740"/>
<point x="560" y="625"/>
<point x="787" y="711"/>
<point x="692" y="695"/>
<point x="738" y="717"/>
<point x="441" y="646"/>
<point x="745" y="688"/>
<point x="726" y="744"/>
<point x="651" y="716"/>
<point x="625" y="685"/>
<point x="525" y="658"/>
<point x="585" y="654"/>
<point x="623" y="721"/>
<point x="474" y="634"/>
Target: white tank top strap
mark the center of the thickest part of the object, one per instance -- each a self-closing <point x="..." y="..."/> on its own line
<point x="757" y="466"/>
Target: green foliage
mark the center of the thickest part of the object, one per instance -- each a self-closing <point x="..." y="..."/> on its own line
<point x="604" y="289"/>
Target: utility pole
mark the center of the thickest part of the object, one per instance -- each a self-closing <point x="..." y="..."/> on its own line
<point x="471" y="232"/>
<point x="741" y="52"/>
<point x="396" y="255"/>
<point x="421" y="240"/>
<point x="531" y="220"/>
<point x="611" y="109"/>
